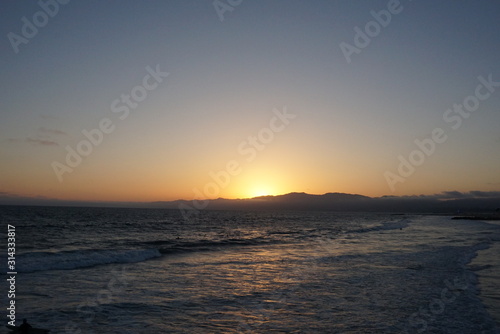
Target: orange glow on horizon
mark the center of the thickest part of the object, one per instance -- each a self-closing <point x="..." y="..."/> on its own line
<point x="258" y="191"/>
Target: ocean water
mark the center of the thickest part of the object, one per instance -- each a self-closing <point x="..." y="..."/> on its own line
<point x="115" y="270"/>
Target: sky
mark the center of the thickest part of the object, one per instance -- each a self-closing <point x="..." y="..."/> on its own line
<point x="183" y="99"/>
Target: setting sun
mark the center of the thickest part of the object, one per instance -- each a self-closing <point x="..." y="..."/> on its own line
<point x="260" y="190"/>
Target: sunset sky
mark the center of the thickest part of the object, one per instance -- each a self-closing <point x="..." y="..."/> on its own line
<point x="259" y="95"/>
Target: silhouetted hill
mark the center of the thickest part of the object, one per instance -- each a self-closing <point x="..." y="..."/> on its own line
<point x="441" y="203"/>
<point x="308" y="197"/>
<point x="446" y="202"/>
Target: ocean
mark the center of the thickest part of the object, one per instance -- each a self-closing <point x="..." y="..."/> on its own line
<point x="121" y="270"/>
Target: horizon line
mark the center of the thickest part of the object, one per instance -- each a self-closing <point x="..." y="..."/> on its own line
<point x="7" y="199"/>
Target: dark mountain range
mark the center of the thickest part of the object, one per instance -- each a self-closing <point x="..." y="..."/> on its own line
<point x="448" y="202"/>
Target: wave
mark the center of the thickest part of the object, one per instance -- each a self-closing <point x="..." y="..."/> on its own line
<point x="66" y="260"/>
<point x="75" y="259"/>
<point x="209" y="245"/>
<point x="384" y="227"/>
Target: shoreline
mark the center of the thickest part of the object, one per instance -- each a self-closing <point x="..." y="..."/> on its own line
<point x="486" y="267"/>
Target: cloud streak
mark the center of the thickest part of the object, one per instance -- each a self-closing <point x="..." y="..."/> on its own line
<point x="41" y="142"/>
<point x="43" y="137"/>
<point x="33" y="141"/>
<point x="51" y="131"/>
<point x="451" y="195"/>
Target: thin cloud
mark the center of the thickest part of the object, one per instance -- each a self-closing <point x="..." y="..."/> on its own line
<point x="43" y="142"/>
<point x="44" y="137"/>
<point x="51" y="131"/>
<point x="454" y="195"/>
<point x="486" y="194"/>
<point x="33" y="141"/>
<point x="447" y="195"/>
